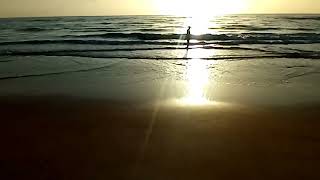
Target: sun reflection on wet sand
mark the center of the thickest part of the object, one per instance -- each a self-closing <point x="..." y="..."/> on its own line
<point x="197" y="79"/>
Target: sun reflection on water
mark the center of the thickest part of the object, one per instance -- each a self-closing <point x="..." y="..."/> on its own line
<point x="200" y="25"/>
<point x="197" y="72"/>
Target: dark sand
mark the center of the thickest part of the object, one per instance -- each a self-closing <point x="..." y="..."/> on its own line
<point x="76" y="139"/>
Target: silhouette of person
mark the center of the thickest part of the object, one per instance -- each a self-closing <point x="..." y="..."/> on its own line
<point x="188" y="36"/>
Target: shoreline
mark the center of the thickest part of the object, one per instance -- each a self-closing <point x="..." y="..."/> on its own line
<point x="269" y="82"/>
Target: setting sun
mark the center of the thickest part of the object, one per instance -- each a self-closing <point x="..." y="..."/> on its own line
<point x="199" y="7"/>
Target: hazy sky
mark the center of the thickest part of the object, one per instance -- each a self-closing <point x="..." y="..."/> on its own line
<point x="141" y="7"/>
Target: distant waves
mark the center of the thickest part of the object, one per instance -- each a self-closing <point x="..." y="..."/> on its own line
<point x="145" y="38"/>
<point x="156" y="37"/>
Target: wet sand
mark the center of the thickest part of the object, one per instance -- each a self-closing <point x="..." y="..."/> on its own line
<point x="53" y="137"/>
<point x="142" y="119"/>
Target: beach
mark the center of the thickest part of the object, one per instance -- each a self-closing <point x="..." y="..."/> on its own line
<point x="117" y="98"/>
<point x="83" y="125"/>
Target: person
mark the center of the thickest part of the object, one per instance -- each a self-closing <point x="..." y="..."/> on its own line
<point x="188" y="37"/>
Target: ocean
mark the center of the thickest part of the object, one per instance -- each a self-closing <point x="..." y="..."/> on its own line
<point x="228" y="37"/>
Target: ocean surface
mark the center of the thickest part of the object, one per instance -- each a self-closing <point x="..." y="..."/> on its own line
<point x="229" y="37"/>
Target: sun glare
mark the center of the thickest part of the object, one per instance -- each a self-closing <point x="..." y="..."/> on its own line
<point x="199" y="24"/>
<point x="199" y="8"/>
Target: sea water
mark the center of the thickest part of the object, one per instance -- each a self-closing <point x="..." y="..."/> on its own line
<point x="228" y="37"/>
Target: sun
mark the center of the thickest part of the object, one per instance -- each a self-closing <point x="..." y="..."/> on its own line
<point x="199" y="8"/>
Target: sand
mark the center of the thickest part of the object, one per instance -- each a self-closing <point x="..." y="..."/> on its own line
<point x="161" y="120"/>
<point x="46" y="138"/>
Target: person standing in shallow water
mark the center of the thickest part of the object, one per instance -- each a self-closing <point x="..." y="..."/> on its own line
<point x="188" y="37"/>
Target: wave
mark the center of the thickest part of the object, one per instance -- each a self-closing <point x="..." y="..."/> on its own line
<point x="208" y="37"/>
<point x="248" y="27"/>
<point x="300" y="29"/>
<point x="175" y="43"/>
<point x="317" y="18"/>
<point x="114" y="53"/>
<point x="39" y="52"/>
<point x="67" y="51"/>
<point x="151" y="30"/>
<point x="87" y="42"/>
<point x="258" y="28"/>
<point x="33" y="29"/>
<point x="217" y="57"/>
<point x="176" y="39"/>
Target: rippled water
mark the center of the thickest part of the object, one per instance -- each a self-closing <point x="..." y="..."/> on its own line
<point x="163" y="37"/>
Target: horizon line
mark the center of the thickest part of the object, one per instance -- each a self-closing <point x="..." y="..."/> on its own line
<point x="49" y="16"/>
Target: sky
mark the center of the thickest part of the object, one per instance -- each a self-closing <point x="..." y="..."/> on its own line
<point x="22" y="8"/>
